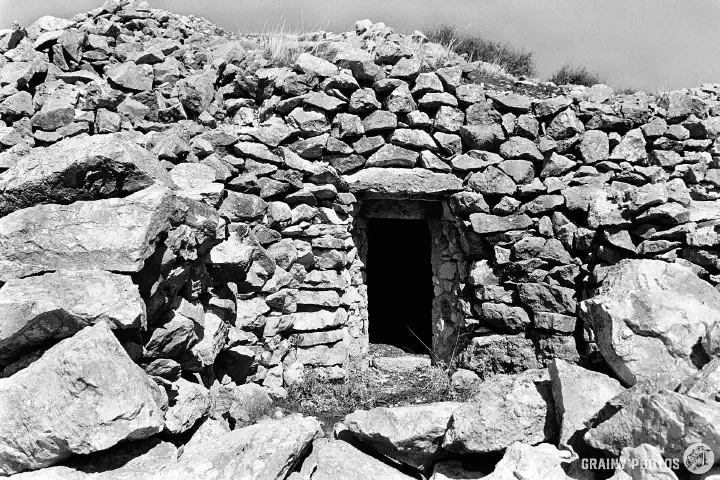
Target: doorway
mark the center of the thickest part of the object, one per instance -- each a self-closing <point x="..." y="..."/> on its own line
<point x="399" y="282"/>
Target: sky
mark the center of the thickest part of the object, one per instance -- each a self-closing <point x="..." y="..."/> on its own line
<point x="652" y="45"/>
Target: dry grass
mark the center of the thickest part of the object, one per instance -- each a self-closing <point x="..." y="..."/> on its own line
<point x="626" y="91"/>
<point x="516" y="61"/>
<point x="494" y="70"/>
<point x="575" y="75"/>
<point x="283" y="43"/>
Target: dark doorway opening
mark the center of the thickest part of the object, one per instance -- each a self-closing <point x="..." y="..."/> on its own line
<point x="399" y="280"/>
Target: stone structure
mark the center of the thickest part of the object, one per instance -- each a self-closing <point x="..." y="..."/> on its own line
<point x="176" y="207"/>
<point x="238" y="193"/>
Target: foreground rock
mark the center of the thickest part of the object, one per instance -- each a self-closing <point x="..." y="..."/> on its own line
<point x="705" y="384"/>
<point x="669" y="420"/>
<point x="115" y="234"/>
<point x="522" y="461"/>
<point x="505" y="409"/>
<point x="331" y="460"/>
<point x="82" y="396"/>
<point x="270" y="450"/>
<point x="188" y="404"/>
<point x="648" y="318"/>
<point x="454" y="470"/>
<point x="578" y="394"/>
<point x="80" y="168"/>
<point x="411" y="435"/>
<point x="644" y="462"/>
<point x="402" y="364"/>
<point x="50" y="307"/>
<point x="131" y="461"/>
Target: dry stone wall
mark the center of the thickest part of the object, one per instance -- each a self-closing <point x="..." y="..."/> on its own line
<point x="223" y="196"/>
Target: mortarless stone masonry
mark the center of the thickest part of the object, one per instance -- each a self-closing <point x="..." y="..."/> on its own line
<point x="237" y="192"/>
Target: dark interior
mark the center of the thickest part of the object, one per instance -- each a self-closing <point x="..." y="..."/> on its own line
<point x="399" y="280"/>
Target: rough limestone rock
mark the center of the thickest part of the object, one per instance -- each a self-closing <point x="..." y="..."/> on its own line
<point x="402" y="183"/>
<point x="331" y="460"/>
<point x="578" y="394"/>
<point x="490" y="423"/>
<point x="80" y="168"/>
<point x="188" y="403"/>
<point x="454" y="470"/>
<point x="240" y="404"/>
<point x="36" y="311"/>
<point x="402" y="364"/>
<point x="522" y="461"/>
<point x="308" y="63"/>
<point x="411" y="435"/>
<point x="483" y="223"/>
<point x="705" y="384"/>
<point x="209" y="429"/>
<point x="117" y="234"/>
<point x="129" y="461"/>
<point x="668" y="420"/>
<point x="649" y="317"/>
<point x="131" y="76"/>
<point x="82" y="396"/>
<point x="270" y="450"/>
<point x="196" y="92"/>
<point x="492" y="354"/>
<point x="644" y="462"/>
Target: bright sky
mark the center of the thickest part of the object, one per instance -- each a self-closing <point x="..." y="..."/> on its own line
<point x="647" y="44"/>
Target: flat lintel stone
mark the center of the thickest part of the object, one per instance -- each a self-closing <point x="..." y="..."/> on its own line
<point x="399" y="183"/>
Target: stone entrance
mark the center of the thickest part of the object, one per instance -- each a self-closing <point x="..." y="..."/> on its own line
<point x="399" y="280"/>
<point x="412" y="264"/>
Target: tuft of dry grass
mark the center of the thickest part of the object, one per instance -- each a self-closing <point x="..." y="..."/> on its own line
<point x="626" y="91"/>
<point x="516" y="61"/>
<point x="283" y="43"/>
<point x="575" y="75"/>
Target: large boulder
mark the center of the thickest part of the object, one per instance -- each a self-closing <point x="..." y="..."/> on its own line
<point x="38" y="310"/>
<point x="128" y="461"/>
<point x="116" y="234"/>
<point x="578" y="394"/>
<point x="522" y="461"/>
<point x="131" y="76"/>
<point x="411" y="434"/>
<point x="643" y="462"/>
<point x="652" y="319"/>
<point x="80" y="168"/>
<point x="209" y="429"/>
<point x="82" y="396"/>
<point x="332" y="460"/>
<point x="454" y="470"/>
<point x="705" y="384"/>
<point x="504" y="410"/>
<point x="668" y="420"/>
<point x="266" y="450"/>
<point x="188" y="403"/>
<point x="489" y="355"/>
<point x="485" y="224"/>
<point x="402" y="183"/>
<point x="196" y="92"/>
<point x="240" y="405"/>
